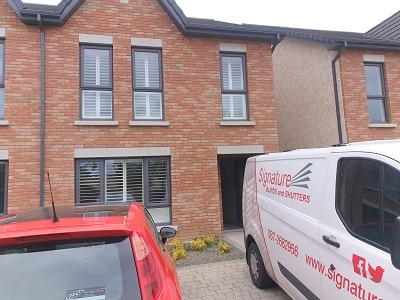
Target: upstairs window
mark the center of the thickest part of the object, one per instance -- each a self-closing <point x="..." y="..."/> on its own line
<point x="376" y="93"/>
<point x="234" y="89"/>
<point x="2" y="80"/>
<point x="147" y="85"/>
<point x="96" y="83"/>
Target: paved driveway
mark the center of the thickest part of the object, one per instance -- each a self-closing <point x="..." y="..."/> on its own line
<point x="223" y="280"/>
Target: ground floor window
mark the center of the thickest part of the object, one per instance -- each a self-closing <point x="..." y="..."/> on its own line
<point x="145" y="180"/>
<point x="3" y="187"/>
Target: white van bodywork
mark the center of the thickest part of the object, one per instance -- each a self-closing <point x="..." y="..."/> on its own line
<point x="320" y="222"/>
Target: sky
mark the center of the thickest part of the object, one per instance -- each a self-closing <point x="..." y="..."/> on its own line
<point x="337" y="15"/>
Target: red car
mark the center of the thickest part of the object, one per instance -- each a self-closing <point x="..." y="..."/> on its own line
<point x="86" y="253"/>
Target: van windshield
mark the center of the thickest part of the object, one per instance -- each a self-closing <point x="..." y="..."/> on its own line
<point x="85" y="269"/>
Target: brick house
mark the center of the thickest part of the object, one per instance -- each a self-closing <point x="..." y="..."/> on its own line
<point x="334" y="87"/>
<point x="124" y="100"/>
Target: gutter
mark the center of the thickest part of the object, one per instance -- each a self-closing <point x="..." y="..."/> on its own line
<point x="42" y="108"/>
<point x="276" y="43"/>
<point x="336" y="91"/>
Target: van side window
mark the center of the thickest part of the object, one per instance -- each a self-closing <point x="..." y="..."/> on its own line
<point x="368" y="199"/>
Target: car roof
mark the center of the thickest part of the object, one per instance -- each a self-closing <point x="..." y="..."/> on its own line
<point x="71" y="222"/>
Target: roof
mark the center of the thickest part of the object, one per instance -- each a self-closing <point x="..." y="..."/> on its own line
<point x="58" y="15"/>
<point x="335" y="40"/>
<point x="388" y="29"/>
<point x="52" y="15"/>
<point x="385" y="36"/>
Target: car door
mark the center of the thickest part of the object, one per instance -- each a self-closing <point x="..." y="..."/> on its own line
<point x="361" y="204"/>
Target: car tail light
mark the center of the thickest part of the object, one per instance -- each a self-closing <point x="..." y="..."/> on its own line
<point x="148" y="268"/>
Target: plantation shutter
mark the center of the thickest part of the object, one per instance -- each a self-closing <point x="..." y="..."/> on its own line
<point x="134" y="179"/>
<point x="157" y="181"/>
<point x="96" y="68"/>
<point x="89" y="183"/>
<point x="232" y="73"/>
<point x="114" y="181"/>
<point x="147" y="70"/>
<point x="148" y="96"/>
<point x="97" y="103"/>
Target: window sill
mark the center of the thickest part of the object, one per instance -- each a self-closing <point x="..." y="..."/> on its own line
<point x="4" y="123"/>
<point x="237" y="123"/>
<point x="148" y="123"/>
<point x="96" y="123"/>
<point x="383" y="125"/>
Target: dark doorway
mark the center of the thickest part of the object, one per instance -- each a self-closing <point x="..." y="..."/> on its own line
<point x="231" y="172"/>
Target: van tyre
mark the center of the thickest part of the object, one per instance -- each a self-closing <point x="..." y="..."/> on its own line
<point x="257" y="270"/>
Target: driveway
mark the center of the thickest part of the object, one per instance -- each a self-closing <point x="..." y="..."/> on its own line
<point x="224" y="280"/>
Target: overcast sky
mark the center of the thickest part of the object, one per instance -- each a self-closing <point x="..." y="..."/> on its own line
<point x="340" y="15"/>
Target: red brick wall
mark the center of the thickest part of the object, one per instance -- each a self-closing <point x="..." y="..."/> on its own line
<point x="355" y="96"/>
<point x="192" y="97"/>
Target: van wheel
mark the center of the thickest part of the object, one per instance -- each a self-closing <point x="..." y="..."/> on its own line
<point x="257" y="270"/>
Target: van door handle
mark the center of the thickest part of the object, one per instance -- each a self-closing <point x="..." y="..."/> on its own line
<point x="328" y="240"/>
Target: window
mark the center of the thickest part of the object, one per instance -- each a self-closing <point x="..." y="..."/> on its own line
<point x="96" y="83"/>
<point x="234" y="90"/>
<point x="89" y="268"/>
<point x="376" y="93"/>
<point x="3" y="187"/>
<point x="122" y="180"/>
<point x="2" y="80"/>
<point x="368" y="199"/>
<point x="147" y="85"/>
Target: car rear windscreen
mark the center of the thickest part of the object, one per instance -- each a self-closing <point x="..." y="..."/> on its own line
<point x="89" y="269"/>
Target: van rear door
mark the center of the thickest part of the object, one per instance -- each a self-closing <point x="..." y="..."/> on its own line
<point x="361" y="205"/>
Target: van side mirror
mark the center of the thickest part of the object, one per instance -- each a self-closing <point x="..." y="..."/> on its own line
<point x="166" y="233"/>
<point x="395" y="244"/>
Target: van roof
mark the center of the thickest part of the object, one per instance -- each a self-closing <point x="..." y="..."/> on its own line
<point x="389" y="148"/>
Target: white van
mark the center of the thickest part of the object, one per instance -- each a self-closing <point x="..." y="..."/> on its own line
<point x="324" y="223"/>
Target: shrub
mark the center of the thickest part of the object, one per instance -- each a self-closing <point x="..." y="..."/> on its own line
<point x="178" y="253"/>
<point x="223" y="247"/>
<point x="178" y="249"/>
<point x="209" y="240"/>
<point x="177" y="244"/>
<point x="198" y="244"/>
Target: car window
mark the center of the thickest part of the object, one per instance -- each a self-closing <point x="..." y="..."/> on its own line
<point x="368" y="198"/>
<point x="80" y="269"/>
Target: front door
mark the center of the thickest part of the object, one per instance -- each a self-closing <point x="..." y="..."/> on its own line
<point x="239" y="166"/>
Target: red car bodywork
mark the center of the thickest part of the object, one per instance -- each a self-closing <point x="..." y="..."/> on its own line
<point x="155" y="268"/>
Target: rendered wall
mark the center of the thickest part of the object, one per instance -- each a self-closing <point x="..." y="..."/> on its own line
<point x="304" y="95"/>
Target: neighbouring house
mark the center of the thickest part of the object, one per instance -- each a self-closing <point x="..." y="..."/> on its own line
<point x="119" y="100"/>
<point x="336" y="87"/>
